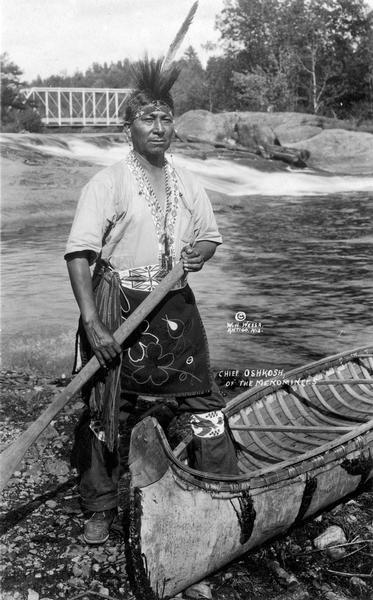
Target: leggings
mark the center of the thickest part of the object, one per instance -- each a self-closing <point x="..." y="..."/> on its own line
<point x="100" y="470"/>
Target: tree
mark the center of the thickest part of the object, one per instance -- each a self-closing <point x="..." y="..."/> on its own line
<point x="115" y="75"/>
<point x="190" y="90"/>
<point x="219" y="76"/>
<point x="17" y="113"/>
<point x="327" y="34"/>
<point x="265" y="90"/>
<point x="249" y="29"/>
<point x="11" y="97"/>
<point x="319" y="39"/>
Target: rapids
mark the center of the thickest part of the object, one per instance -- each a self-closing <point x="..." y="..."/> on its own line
<point x="216" y="174"/>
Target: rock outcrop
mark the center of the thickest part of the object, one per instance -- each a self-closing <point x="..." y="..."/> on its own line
<point x="340" y="151"/>
<point x="334" y="145"/>
<point x="254" y="135"/>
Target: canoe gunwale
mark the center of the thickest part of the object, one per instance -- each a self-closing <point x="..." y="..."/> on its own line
<point x="282" y="471"/>
<point x="336" y="450"/>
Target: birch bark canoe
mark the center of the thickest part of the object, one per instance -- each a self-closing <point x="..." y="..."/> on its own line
<point x="184" y="524"/>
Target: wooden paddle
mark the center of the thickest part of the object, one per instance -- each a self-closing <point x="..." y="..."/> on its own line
<point x="13" y="454"/>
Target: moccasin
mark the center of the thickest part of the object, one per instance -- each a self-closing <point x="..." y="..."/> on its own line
<point x="97" y="527"/>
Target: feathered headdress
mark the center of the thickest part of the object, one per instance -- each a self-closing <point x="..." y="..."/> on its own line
<point x="154" y="78"/>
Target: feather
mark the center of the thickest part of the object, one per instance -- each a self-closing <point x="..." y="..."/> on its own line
<point x="170" y="56"/>
<point x="154" y="78"/>
<point x="151" y="79"/>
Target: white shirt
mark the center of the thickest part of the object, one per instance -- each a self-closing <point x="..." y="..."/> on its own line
<point x="112" y="197"/>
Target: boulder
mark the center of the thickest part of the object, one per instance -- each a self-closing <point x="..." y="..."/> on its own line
<point x="217" y="126"/>
<point x="204" y="125"/>
<point x="340" y="151"/>
<point x="286" y="579"/>
<point x="359" y="586"/>
<point x="332" y="143"/>
<point x="288" y="135"/>
<point x="332" y="536"/>
<point x="254" y="135"/>
<point x="333" y="596"/>
<point x="288" y="120"/>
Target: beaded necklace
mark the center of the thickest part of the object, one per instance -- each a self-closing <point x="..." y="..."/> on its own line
<point x="164" y="221"/>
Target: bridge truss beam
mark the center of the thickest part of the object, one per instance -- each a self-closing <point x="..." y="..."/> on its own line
<point x="79" y="107"/>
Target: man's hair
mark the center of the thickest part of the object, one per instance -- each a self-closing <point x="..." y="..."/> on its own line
<point x="152" y="85"/>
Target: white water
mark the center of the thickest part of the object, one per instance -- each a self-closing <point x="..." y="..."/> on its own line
<point x="216" y="174"/>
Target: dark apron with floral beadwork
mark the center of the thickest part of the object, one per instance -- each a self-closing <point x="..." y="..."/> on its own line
<point x="167" y="355"/>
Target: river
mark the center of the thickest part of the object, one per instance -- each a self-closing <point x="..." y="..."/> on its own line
<point x="296" y="259"/>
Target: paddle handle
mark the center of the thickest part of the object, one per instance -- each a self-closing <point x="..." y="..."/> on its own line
<point x="13" y="454"/>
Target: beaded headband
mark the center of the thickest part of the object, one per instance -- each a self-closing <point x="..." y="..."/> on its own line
<point x="151" y="107"/>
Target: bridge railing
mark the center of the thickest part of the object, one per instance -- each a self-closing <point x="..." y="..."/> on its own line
<point x="79" y="107"/>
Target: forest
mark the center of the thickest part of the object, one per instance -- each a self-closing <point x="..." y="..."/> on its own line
<point x="310" y="56"/>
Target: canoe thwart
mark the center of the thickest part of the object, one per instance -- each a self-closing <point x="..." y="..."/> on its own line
<point x="342" y="381"/>
<point x="291" y="428"/>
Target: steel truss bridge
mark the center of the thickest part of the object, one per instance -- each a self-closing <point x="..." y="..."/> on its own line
<point x="79" y="107"/>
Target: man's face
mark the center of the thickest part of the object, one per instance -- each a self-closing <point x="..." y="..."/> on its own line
<point x="152" y="132"/>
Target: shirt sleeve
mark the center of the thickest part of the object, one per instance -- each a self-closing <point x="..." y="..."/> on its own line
<point x="205" y="226"/>
<point x="94" y="214"/>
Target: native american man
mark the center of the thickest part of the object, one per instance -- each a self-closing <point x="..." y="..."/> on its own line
<point x="135" y="220"/>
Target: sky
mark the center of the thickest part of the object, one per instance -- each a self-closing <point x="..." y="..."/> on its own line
<point x="49" y="37"/>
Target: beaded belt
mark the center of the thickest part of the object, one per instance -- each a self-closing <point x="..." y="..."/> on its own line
<point x="146" y="278"/>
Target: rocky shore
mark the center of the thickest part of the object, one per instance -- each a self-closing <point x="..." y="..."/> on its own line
<point x="45" y="558"/>
<point x="333" y="145"/>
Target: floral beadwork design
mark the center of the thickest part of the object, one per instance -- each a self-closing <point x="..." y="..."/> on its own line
<point x="157" y="373"/>
<point x="137" y="352"/>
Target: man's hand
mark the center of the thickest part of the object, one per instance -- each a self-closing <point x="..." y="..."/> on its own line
<point x="104" y="346"/>
<point x="192" y="258"/>
<point x="102" y="342"/>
